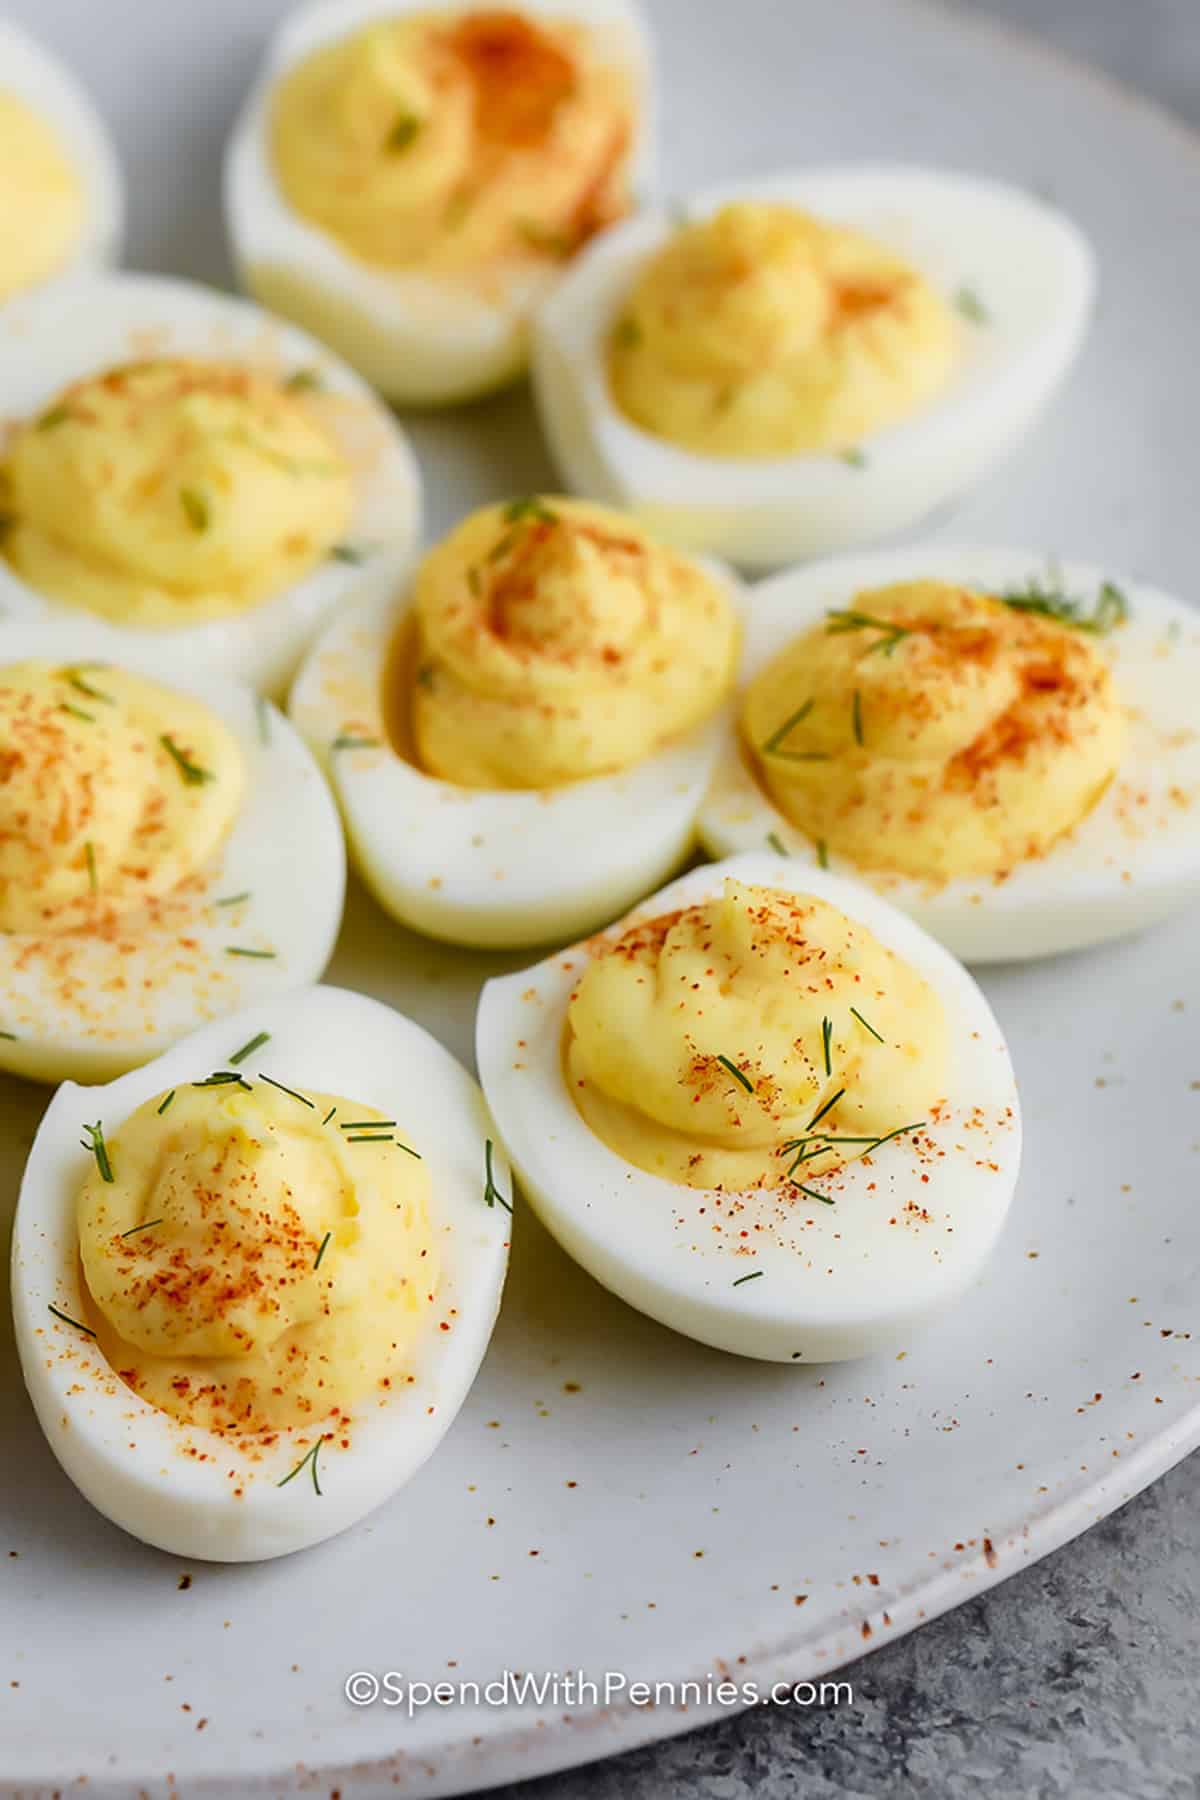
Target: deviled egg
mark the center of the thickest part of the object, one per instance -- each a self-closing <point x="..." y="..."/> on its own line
<point x="169" y="852"/>
<point x="408" y="179"/>
<point x="766" y="1109"/>
<point x="253" y="1282"/>
<point x="1004" y="747"/>
<point x="207" y="480"/>
<point x="520" y="738"/>
<point x="805" y="362"/>
<point x="62" y="202"/>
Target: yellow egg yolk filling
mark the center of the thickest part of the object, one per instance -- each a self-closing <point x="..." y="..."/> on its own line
<point x="113" y="791"/>
<point x="935" y="731"/>
<point x="764" y="332"/>
<point x="449" y="142"/>
<point x="253" y="1264"/>
<point x="758" y="1039"/>
<point x="555" y="641"/>
<point x="168" y="492"/>
<point x="41" y="198"/>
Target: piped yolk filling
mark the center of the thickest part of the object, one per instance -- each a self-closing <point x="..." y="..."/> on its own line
<point x="113" y="792"/>
<point x="454" y="142"/>
<point x="555" y="641"/>
<point x="935" y="731"/>
<point x="164" y="493"/>
<point x="41" y="198"/>
<point x="755" y="1040"/>
<point x="260" y="1258"/>
<point x="764" y="332"/>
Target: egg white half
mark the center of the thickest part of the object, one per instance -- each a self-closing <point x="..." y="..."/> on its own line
<point x="86" y="327"/>
<point x="906" y="1235"/>
<point x="49" y="89"/>
<point x="87" y="1006"/>
<point x="1030" y="269"/>
<point x="485" y="867"/>
<point x="420" y="341"/>
<point x="1131" y="862"/>
<point x="192" y="1492"/>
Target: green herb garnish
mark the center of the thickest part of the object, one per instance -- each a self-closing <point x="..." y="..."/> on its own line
<point x="322" y="1250"/>
<point x="99" y="1150"/>
<point x="827" y="1044"/>
<point x="302" y="1098"/>
<point x="366" y="1124"/>
<point x="1050" y="602"/>
<point x="753" y="1276"/>
<point x="531" y="507"/>
<point x="76" y="712"/>
<point x="242" y="950"/>
<point x="196" y="507"/>
<point x="856" y="716"/>
<point x="89" y="857"/>
<point x="866" y="1024"/>
<point x="854" y="458"/>
<point x="308" y="1460"/>
<point x="971" y="306"/>
<point x="346" y="741"/>
<point x="68" y="1320"/>
<point x="822" y="849"/>
<point x="256" y="1043"/>
<point x="849" y="618"/>
<point x="348" y="553"/>
<point x="75" y="679"/>
<point x="302" y="381"/>
<point x="402" y="134"/>
<point x="329" y="1115"/>
<point x="827" y="1108"/>
<point x="136" y="1229"/>
<point x="773" y="745"/>
<point x="491" y="1193"/>
<point x="162" y="1109"/>
<point x="223" y="1078"/>
<point x="233" y="899"/>
<point x="777" y="844"/>
<point x="812" y="1193"/>
<point x="192" y="773"/>
<point x="627" y="334"/>
<point x="736" y="1073"/>
<point x="55" y="415"/>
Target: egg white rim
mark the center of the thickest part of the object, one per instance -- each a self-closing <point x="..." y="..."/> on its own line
<point x="885" y="200"/>
<point x="58" y="337"/>
<point x="45" y="83"/>
<point x="116" y="1425"/>
<point x="519" y="1040"/>
<point x="264" y="227"/>
<point x="301" y="937"/>
<point x="387" y="800"/>
<point x="1081" y="868"/>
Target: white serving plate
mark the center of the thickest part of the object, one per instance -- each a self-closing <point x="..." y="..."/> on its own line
<point x="986" y="1445"/>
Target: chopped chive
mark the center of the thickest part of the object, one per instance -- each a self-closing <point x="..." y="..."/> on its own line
<point x="491" y="1193"/>
<point x="11" y="1036"/>
<point x="531" y="507"/>
<point x="75" y="680"/>
<point x="233" y="899"/>
<point x="302" y="1098"/>
<point x="68" y="1320"/>
<point x="822" y="853"/>
<point x="856" y="716"/>
<point x="256" y="1043"/>
<point x="262" y="718"/>
<point x="348" y="553"/>
<point x="825" y="1199"/>
<point x="76" y="712"/>
<point x="89" y="857"/>
<point x="302" y="381"/>
<point x="348" y="742"/>
<point x="54" y="415"/>
<point x="753" y="1276"/>
<point x="192" y="773"/>
<point x="900" y="1131"/>
<point x="371" y="1137"/>
<point x="971" y="307"/>
<point x="196" y="507"/>
<point x="322" y="1250"/>
<point x="627" y="334"/>
<point x="777" y="843"/>
<point x="148" y="1226"/>
<point x="408" y="1150"/>
<point x="99" y="1150"/>
<point x="827" y="1108"/>
<point x="366" y="1124"/>
<point x="867" y="1025"/>
<point x="771" y="747"/>
<point x="736" y="1073"/>
<point x="224" y="1078"/>
<point x="162" y="1109"/>
<point x="402" y="134"/>
<point x="241" y="950"/>
<point x="329" y="1115"/>
<point x="827" y="1043"/>
<point x="854" y="457"/>
<point x="308" y="1460"/>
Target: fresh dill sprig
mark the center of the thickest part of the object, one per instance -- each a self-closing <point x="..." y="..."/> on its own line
<point x="491" y="1193"/>
<point x="192" y="773"/>
<point x="753" y="1276"/>
<point x="737" y="1073"/>
<point x="844" y="619"/>
<point x="99" y="1150"/>
<point x="256" y="1043"/>
<point x="1048" y="600"/>
<point x="827" y="1044"/>
<point x="291" y="1092"/>
<point x="308" y="1460"/>
<point x="867" y="1025"/>
<point x="68" y="1320"/>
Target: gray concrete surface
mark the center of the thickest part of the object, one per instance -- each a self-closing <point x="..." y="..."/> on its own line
<point x="1080" y="1677"/>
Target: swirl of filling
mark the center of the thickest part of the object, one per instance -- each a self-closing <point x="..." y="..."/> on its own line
<point x="935" y="731"/>
<point x="113" y="790"/>
<point x="763" y="332"/>
<point x="246" y="1267"/>
<point x="752" y="1040"/>
<point x="161" y="493"/>
<point x="557" y="641"/>
<point x="450" y="142"/>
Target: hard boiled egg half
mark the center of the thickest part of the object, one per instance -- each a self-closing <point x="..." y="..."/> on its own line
<point x="521" y="736"/>
<point x="62" y="202"/>
<point x="207" y="480"/>
<point x="407" y="179"/>
<point x="806" y="362"/>
<point x="252" y="1283"/>
<point x="169" y="851"/>
<point x="766" y="1109"/>
<point x="1004" y="746"/>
